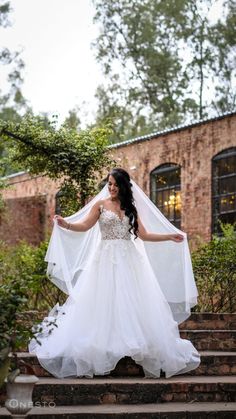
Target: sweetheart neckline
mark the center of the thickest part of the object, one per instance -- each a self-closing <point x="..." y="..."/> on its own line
<point x="113" y="212"/>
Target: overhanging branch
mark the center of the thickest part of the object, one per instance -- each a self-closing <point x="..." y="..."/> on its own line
<point x="24" y="140"/>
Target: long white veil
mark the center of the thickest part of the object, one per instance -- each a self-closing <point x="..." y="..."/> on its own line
<point x="69" y="252"/>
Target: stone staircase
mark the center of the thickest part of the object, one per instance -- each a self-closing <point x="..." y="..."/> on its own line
<point x="205" y="393"/>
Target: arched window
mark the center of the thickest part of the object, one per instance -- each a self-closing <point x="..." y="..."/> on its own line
<point x="223" y="189"/>
<point x="165" y="191"/>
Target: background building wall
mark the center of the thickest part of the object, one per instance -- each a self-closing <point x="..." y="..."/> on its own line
<point x="191" y="147"/>
<point x="24" y="219"/>
<point x="29" y="208"/>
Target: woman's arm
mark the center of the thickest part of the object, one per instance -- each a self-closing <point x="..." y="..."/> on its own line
<point x="153" y="237"/>
<point x="84" y="225"/>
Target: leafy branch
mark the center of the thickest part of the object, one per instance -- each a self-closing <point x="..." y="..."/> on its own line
<point x="76" y="159"/>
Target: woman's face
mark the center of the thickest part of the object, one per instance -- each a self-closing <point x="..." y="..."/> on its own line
<point x="112" y="187"/>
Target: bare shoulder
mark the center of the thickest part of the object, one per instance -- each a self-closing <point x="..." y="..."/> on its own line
<point x="102" y="201"/>
<point x="98" y="204"/>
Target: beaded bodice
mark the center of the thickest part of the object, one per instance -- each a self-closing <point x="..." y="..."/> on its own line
<point x="112" y="227"/>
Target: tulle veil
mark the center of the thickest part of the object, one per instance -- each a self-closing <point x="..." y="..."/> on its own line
<point x="69" y="252"/>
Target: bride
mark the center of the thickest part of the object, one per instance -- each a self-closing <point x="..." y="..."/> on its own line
<point x="128" y="288"/>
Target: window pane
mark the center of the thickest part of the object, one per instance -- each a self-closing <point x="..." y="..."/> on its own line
<point x="161" y="181"/>
<point x="165" y="195"/>
<point x="173" y="177"/>
<point x="177" y="204"/>
<point x="226" y="166"/>
<point x="224" y="189"/>
<point x="228" y="203"/>
<point x="165" y="187"/>
<point x="159" y="200"/>
<point x="227" y="184"/>
<point x="228" y="218"/>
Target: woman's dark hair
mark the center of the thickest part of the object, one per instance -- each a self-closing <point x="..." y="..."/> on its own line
<point x="126" y="198"/>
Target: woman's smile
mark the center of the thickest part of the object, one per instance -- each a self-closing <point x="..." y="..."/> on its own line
<point x="112" y="187"/>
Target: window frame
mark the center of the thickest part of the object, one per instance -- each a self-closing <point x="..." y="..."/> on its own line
<point x="215" y="196"/>
<point x="161" y="169"/>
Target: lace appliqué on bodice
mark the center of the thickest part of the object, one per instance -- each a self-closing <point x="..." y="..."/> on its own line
<point x="112" y="227"/>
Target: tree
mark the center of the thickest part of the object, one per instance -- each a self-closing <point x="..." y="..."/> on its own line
<point x="224" y="38"/>
<point x="75" y="159"/>
<point x="6" y="168"/>
<point x="15" y="64"/>
<point x="118" y="116"/>
<point x="212" y="56"/>
<point x="161" y="59"/>
<point x="12" y="102"/>
<point x="73" y="120"/>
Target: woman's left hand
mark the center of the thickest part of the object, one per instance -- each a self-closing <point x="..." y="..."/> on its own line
<point x="178" y="238"/>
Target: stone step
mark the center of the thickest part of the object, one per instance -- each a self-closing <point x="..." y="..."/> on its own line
<point x="216" y="363"/>
<point x="210" y="321"/>
<point x="212" y="363"/>
<point x="141" y="411"/>
<point x="211" y="340"/>
<point x="76" y="391"/>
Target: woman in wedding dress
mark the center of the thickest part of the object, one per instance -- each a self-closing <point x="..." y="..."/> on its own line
<point x="123" y="297"/>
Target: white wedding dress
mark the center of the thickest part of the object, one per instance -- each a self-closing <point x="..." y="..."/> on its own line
<point x="117" y="310"/>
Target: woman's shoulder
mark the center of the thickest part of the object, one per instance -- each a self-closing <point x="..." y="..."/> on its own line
<point x="100" y="203"/>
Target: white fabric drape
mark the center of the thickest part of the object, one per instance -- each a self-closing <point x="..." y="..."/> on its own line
<point x="69" y="252"/>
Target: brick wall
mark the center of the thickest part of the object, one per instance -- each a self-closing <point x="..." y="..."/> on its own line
<point x="24" y="219"/>
<point x="31" y="189"/>
<point x="191" y="147"/>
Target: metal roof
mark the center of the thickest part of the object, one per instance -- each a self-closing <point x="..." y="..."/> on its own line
<point x="23" y="172"/>
<point x="170" y="130"/>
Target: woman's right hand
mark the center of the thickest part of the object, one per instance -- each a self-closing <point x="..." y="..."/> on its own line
<point x="61" y="222"/>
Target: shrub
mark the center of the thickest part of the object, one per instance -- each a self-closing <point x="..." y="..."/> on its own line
<point x="214" y="266"/>
<point x="23" y="286"/>
<point x="11" y="337"/>
<point x="24" y="264"/>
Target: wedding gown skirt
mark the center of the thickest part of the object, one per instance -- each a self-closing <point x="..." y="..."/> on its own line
<point x="117" y="310"/>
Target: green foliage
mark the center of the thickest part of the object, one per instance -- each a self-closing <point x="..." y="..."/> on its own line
<point x="73" y="120"/>
<point x="224" y="38"/>
<point x="24" y="265"/>
<point x="12" y="102"/>
<point x="15" y="64"/>
<point x="74" y="159"/>
<point x="161" y="58"/>
<point x="125" y="123"/>
<point x="23" y="287"/>
<point x="11" y="297"/>
<point x="2" y="202"/>
<point x="7" y="167"/>
<point x="214" y="266"/>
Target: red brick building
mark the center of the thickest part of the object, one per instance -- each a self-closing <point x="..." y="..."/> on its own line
<point x="188" y="171"/>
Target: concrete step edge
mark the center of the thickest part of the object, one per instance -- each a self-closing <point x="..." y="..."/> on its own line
<point x="202" y="353"/>
<point x="207" y="331"/>
<point x="181" y="379"/>
<point x="141" y="408"/>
